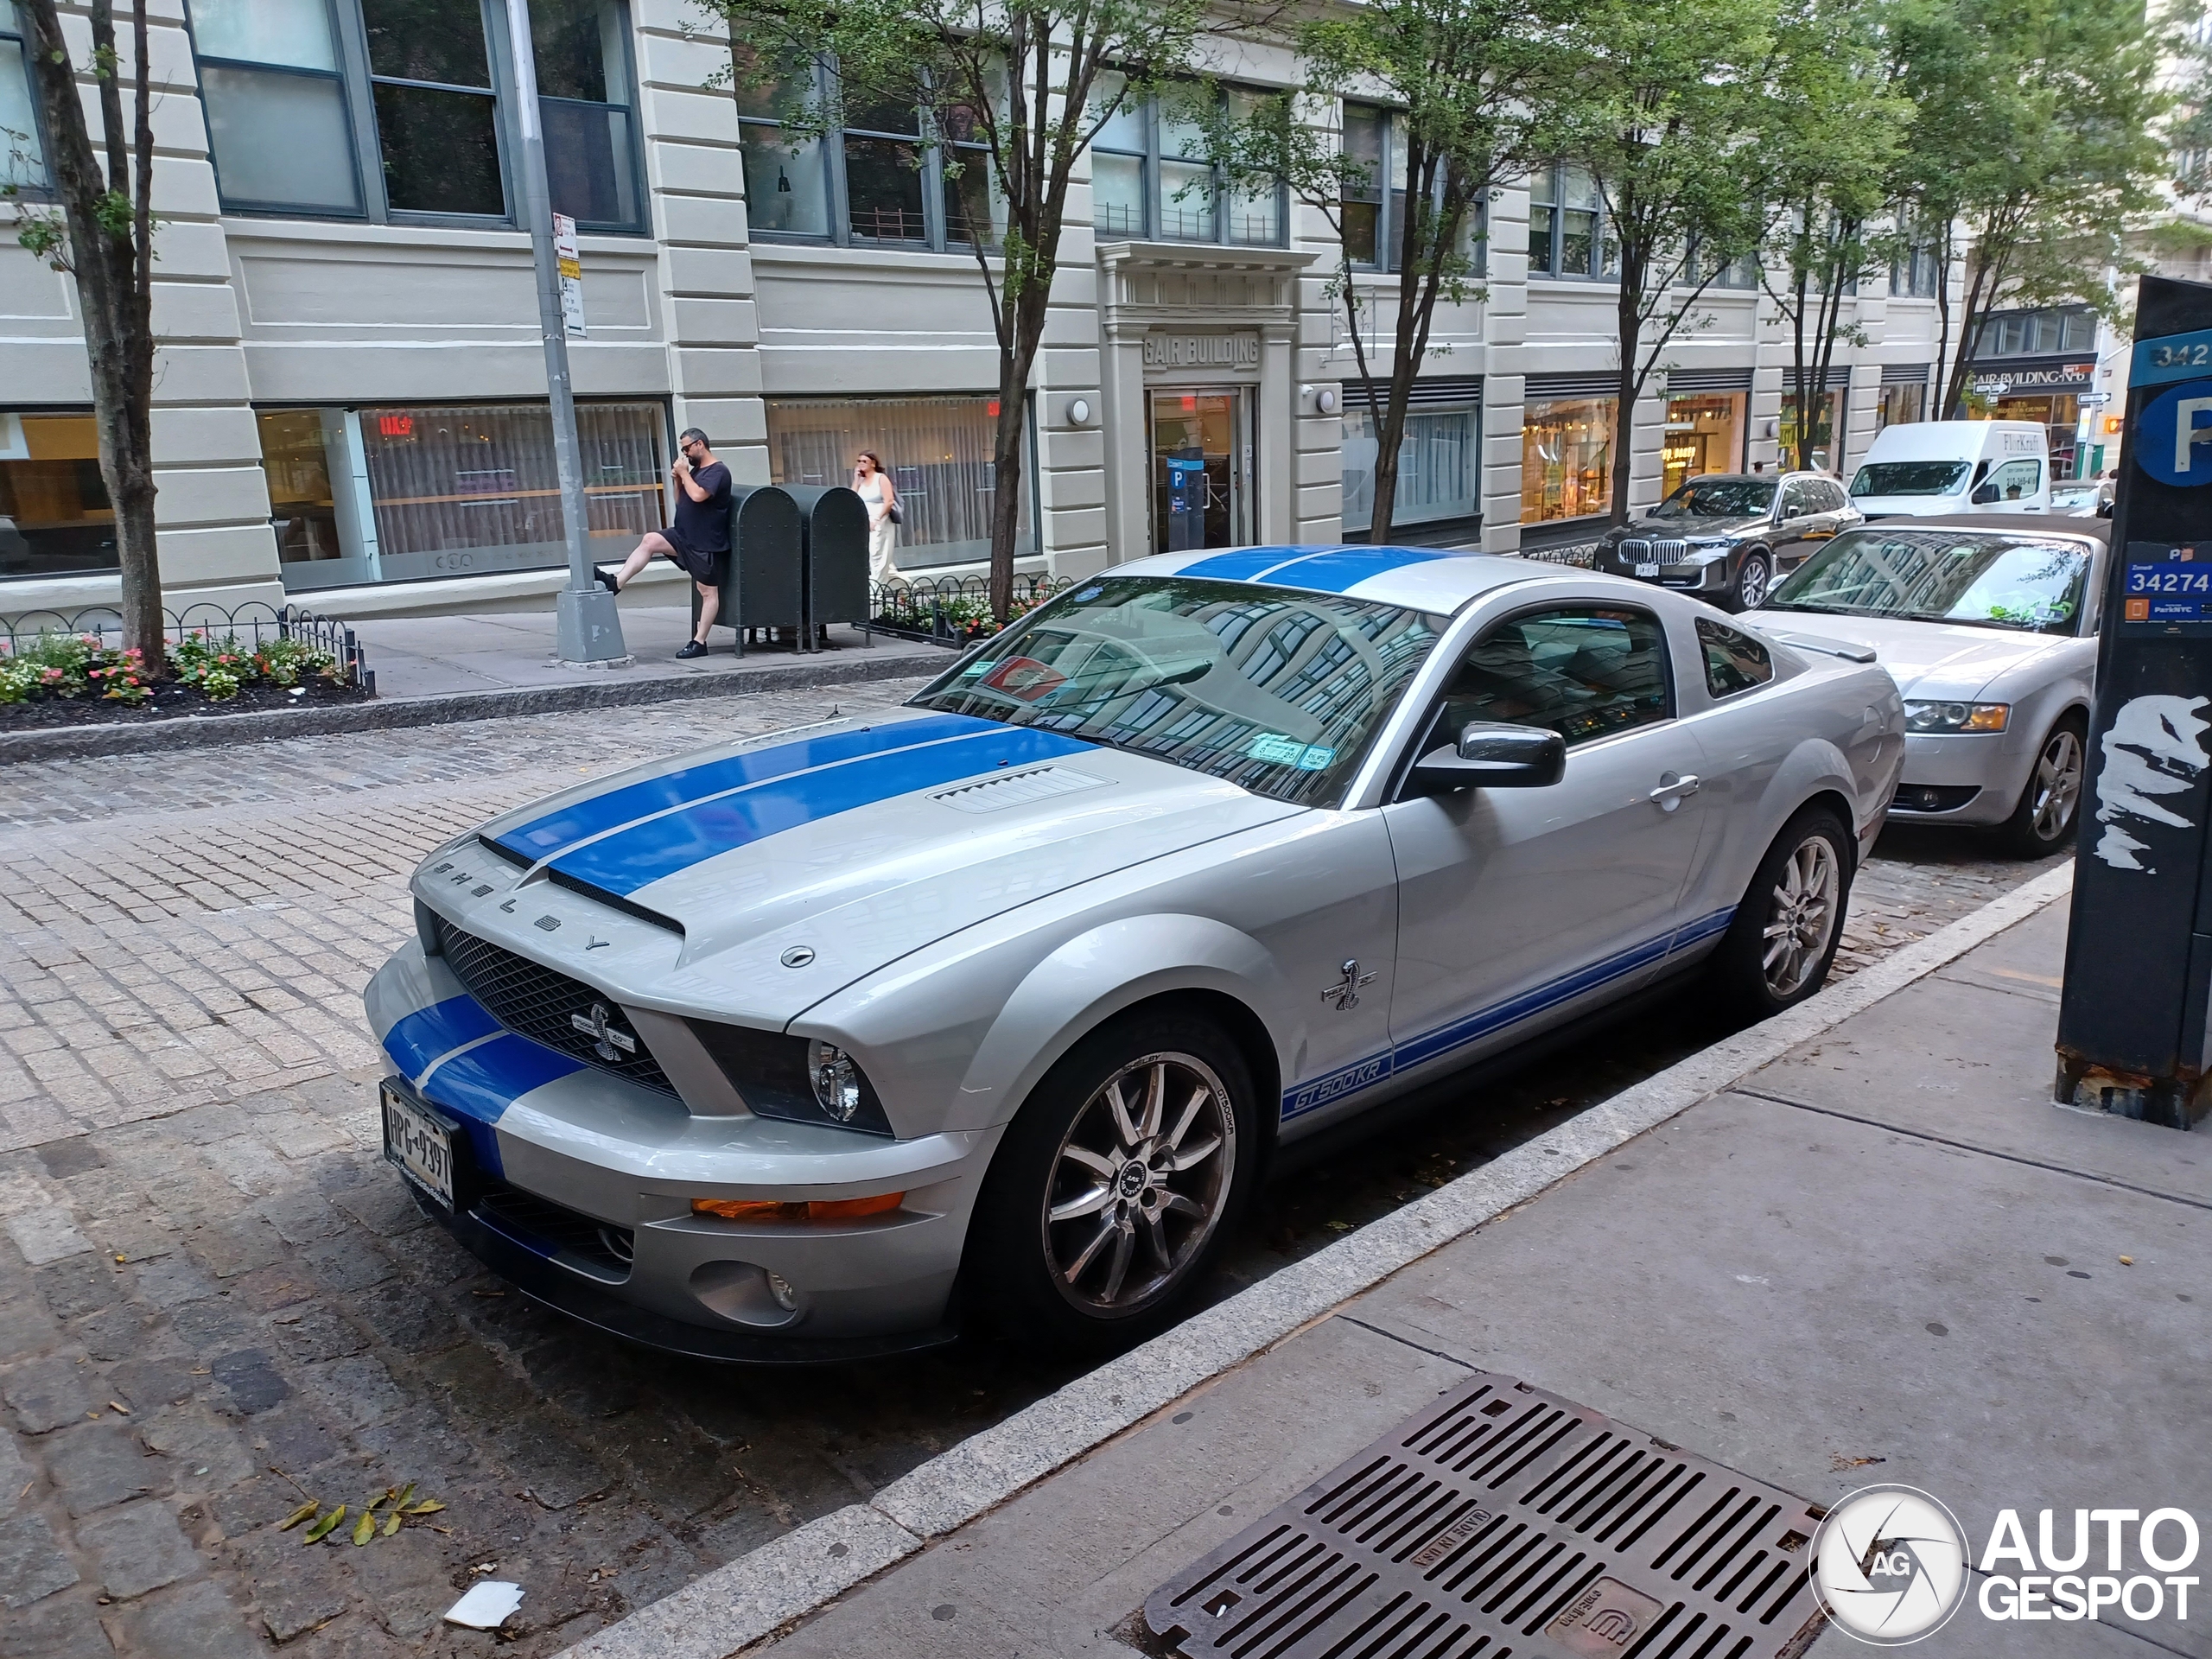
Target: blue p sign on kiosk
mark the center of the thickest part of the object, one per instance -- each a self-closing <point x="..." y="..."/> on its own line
<point x="2173" y="436"/>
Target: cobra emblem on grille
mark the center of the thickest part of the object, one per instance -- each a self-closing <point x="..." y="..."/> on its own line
<point x="606" y="1037"/>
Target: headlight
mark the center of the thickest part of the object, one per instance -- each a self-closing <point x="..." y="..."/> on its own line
<point x="800" y="1079"/>
<point x="1707" y="552"/>
<point x="1956" y="716"/>
<point x="837" y="1080"/>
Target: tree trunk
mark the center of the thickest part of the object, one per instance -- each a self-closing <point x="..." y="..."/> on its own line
<point x="1628" y="315"/>
<point x="1006" y="469"/>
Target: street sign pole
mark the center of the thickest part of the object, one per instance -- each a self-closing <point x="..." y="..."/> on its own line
<point x="589" y="629"/>
<point x="2133" y="1035"/>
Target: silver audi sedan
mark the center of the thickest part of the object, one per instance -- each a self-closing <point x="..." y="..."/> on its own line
<point x="996" y="1006"/>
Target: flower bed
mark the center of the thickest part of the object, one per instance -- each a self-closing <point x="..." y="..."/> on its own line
<point x="957" y="612"/>
<point x="72" y="679"/>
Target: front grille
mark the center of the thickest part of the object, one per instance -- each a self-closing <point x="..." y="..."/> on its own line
<point x="536" y="1002"/>
<point x="1639" y="551"/>
<point x="1503" y="1520"/>
<point x="597" y="1250"/>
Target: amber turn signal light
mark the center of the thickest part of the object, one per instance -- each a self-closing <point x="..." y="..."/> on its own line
<point x="807" y="1210"/>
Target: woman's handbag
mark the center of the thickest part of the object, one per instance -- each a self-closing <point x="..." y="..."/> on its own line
<point x="892" y="513"/>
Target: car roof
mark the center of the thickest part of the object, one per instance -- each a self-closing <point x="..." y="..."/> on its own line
<point x="1419" y="578"/>
<point x="2097" y="530"/>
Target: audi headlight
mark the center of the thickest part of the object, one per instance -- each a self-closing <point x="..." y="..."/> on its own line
<point x="1934" y="717"/>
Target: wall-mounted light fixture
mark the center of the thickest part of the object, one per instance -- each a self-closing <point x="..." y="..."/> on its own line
<point x="1079" y="411"/>
<point x="1326" y="400"/>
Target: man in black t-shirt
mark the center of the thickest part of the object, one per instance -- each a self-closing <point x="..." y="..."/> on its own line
<point x="699" y="535"/>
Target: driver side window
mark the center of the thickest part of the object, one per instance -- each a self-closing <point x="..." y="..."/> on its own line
<point x="1584" y="672"/>
<point x="2017" y="479"/>
<point x="1794" y="503"/>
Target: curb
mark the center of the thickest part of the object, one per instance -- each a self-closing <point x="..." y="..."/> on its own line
<point x="192" y="732"/>
<point x="754" y="1596"/>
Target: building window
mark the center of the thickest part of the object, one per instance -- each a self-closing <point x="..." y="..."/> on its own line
<point x="1150" y="177"/>
<point x="1373" y="204"/>
<point x="1705" y="434"/>
<point x="23" y="158"/>
<point x="786" y="177"/>
<point x="1741" y="272"/>
<point x="1901" y="405"/>
<point x="1918" y="273"/>
<point x="309" y="101"/>
<point x="2036" y="333"/>
<point x="410" y="494"/>
<point x="938" y="451"/>
<point x="1440" y="465"/>
<point x="1566" y="466"/>
<point x="54" y="517"/>
<point x="1826" y="424"/>
<point x="1569" y="233"/>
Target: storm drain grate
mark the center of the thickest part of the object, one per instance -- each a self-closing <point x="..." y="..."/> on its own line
<point x="1504" y="1523"/>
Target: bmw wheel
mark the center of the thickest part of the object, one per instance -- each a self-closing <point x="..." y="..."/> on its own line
<point x="1779" y="947"/>
<point x="1114" y="1185"/>
<point x="2049" y="805"/>
<point x="1753" y="577"/>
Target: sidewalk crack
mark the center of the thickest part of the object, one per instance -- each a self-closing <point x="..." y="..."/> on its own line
<point x="1418" y="1348"/>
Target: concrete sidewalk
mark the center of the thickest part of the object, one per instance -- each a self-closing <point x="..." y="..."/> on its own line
<point x="1882" y="1258"/>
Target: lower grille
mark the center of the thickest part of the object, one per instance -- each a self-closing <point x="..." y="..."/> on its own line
<point x="1503" y="1520"/>
<point x="535" y="1002"/>
<point x="595" y="1249"/>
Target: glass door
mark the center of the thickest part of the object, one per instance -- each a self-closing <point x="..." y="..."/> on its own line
<point x="1201" y="470"/>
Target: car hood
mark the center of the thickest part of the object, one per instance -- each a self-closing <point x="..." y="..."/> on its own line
<point x="1946" y="660"/>
<point x="1688" y="529"/>
<point x="796" y="864"/>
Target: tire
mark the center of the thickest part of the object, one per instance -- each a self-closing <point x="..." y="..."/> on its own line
<point x="1802" y="884"/>
<point x="2050" y="803"/>
<point x="1753" y="580"/>
<point x="1067" y="1247"/>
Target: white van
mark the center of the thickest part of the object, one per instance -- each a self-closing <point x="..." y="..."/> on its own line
<point x="1930" y="467"/>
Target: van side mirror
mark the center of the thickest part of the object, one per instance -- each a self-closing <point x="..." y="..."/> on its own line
<point x="2104" y="509"/>
<point x="1492" y="755"/>
<point x="1985" y="495"/>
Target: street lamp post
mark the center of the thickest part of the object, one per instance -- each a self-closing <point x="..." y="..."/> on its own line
<point x="589" y="628"/>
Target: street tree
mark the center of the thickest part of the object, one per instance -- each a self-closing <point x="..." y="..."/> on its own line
<point x="1016" y="90"/>
<point x="1667" y="118"/>
<point x="99" y="229"/>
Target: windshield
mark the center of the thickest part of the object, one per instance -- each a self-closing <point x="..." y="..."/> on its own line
<point x="1718" y="497"/>
<point x="1277" y="690"/>
<point x="1910" y="478"/>
<point x="1942" y="575"/>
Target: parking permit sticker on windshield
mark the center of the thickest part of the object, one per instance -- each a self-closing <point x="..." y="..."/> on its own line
<point x="1278" y="750"/>
<point x="1024" y="677"/>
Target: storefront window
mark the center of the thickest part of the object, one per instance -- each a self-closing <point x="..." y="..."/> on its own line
<point x="938" y="451"/>
<point x="1901" y="406"/>
<point x="1567" y="468"/>
<point x="54" y="517"/>
<point x="1705" y="434"/>
<point x="1827" y="414"/>
<point x="302" y="451"/>
<point x="1440" y="466"/>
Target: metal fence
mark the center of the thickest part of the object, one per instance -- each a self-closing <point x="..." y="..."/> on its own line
<point x="253" y="624"/>
<point x="955" y="609"/>
<point x="1582" y="555"/>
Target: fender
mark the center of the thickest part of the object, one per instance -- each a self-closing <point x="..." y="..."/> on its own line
<point x="1097" y="975"/>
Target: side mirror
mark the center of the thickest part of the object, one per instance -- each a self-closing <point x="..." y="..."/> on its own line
<point x="1984" y="496"/>
<point x="2104" y="509"/>
<point x="1492" y="756"/>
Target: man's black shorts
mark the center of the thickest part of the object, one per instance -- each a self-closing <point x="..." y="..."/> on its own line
<point x="697" y="563"/>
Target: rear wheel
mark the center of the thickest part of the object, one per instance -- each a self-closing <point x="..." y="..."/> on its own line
<point x="1114" y="1185"/>
<point x="1753" y="577"/>
<point x="2050" y="804"/>
<point x="1778" y="949"/>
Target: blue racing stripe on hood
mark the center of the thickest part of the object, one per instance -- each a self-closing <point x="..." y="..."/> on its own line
<point x="543" y="837"/>
<point x="477" y="1087"/>
<point x="1339" y="568"/>
<point x="1243" y="564"/>
<point x="633" y="858"/>
<point x="419" y="1039"/>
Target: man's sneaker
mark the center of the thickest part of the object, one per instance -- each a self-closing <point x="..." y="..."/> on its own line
<point x="606" y="581"/>
<point x="693" y="648"/>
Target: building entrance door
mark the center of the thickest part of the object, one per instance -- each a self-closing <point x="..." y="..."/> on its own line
<point x="1201" y="469"/>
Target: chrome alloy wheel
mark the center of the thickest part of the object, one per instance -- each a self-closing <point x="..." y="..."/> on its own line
<point x="1139" y="1183"/>
<point x="2057" y="785"/>
<point x="1751" y="583"/>
<point x="1801" y="917"/>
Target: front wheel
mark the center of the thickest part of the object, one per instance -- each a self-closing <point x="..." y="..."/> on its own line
<point x="1753" y="577"/>
<point x="1779" y="947"/>
<point x="1114" y="1185"/>
<point x="2049" y="805"/>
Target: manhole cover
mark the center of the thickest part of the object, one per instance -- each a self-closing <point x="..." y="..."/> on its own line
<point x="1504" y="1521"/>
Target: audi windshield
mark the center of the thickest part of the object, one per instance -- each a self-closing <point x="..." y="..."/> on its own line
<point x="1989" y="579"/>
<point x="1275" y="690"/>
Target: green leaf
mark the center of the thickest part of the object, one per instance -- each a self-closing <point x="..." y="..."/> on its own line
<point x="363" y="1529"/>
<point x="391" y="1524"/>
<point x="428" y="1506"/>
<point x="305" y="1511"/>
<point x="405" y="1492"/>
<point x="323" y="1527"/>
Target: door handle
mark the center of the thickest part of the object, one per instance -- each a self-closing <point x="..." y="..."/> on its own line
<point x="1670" y="795"/>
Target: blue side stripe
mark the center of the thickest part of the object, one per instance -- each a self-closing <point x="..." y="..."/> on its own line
<point x="1363" y="1074"/>
<point x="479" y="1085"/>
<point x="419" y="1039"/>
<point x="579" y="820"/>
<point x="1342" y="569"/>
<point x="633" y="858"/>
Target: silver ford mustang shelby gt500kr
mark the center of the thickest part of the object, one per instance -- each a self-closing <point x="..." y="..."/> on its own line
<point x="795" y="1047"/>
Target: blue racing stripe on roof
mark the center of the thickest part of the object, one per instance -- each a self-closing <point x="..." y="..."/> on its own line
<point x="580" y="820"/>
<point x="416" y="1041"/>
<point x="479" y="1086"/>
<point x="633" y="858"/>
<point x="1336" y="570"/>
<point x="1243" y="564"/>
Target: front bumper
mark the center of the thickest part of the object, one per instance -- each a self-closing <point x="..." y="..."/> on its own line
<point x="1970" y="778"/>
<point x="1693" y="576"/>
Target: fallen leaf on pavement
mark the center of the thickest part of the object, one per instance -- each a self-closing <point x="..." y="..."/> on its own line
<point x="323" y="1528"/>
<point x="363" y="1529"/>
<point x="305" y="1512"/>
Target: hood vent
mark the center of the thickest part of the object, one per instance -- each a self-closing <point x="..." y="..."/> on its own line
<point x="1017" y="789"/>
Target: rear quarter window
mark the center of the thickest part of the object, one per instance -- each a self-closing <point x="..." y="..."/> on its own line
<point x="1734" y="662"/>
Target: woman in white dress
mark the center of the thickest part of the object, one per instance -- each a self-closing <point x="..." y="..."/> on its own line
<point x="876" y="488"/>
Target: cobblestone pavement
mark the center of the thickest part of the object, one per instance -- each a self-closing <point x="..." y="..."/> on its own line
<point x="216" y="1303"/>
